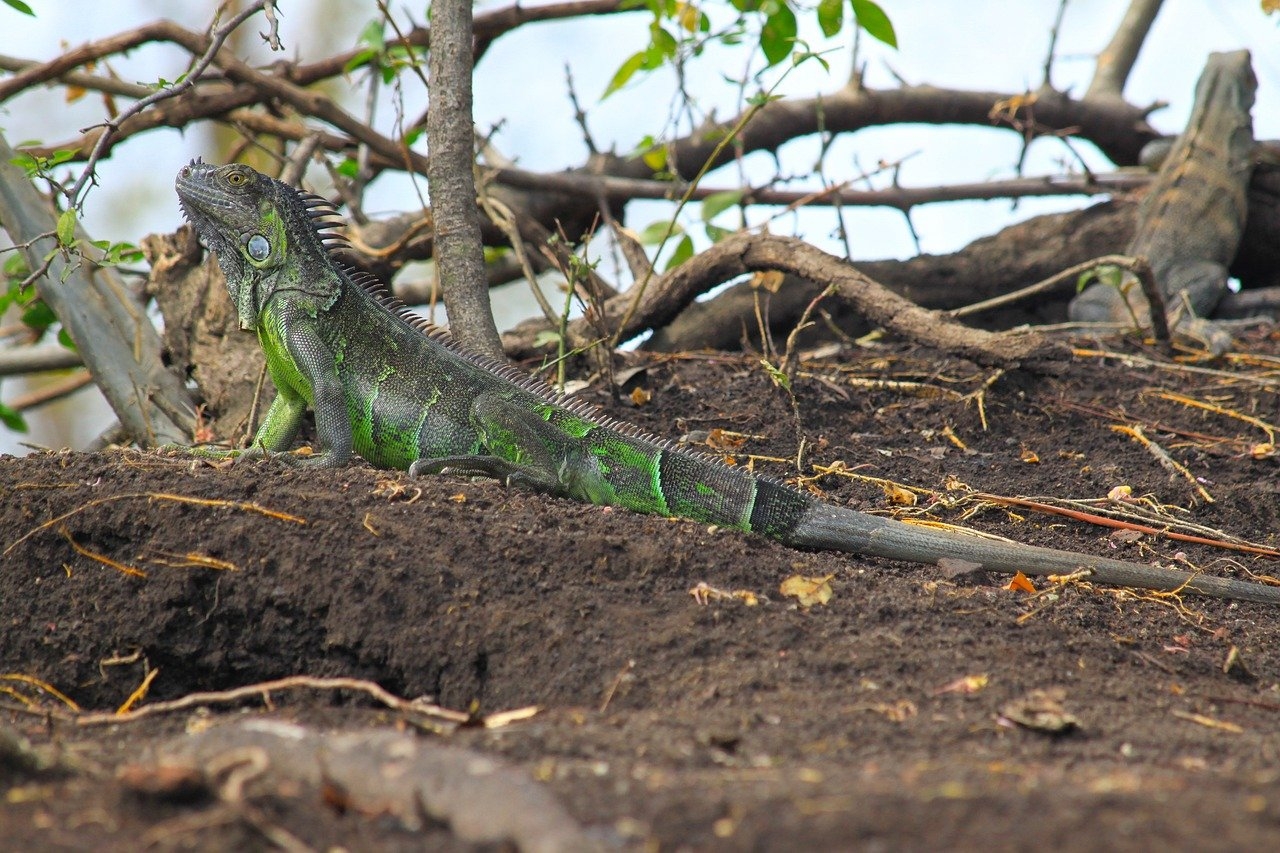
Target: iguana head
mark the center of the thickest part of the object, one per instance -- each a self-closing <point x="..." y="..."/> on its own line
<point x="269" y="237"/>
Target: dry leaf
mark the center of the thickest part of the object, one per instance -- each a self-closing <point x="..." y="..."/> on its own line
<point x="704" y="593"/>
<point x="897" y="495"/>
<point x="1041" y="711"/>
<point x="1020" y="582"/>
<point x="1120" y="494"/>
<point x="1029" y="456"/>
<point x="808" y="591"/>
<point x="723" y="439"/>
<point x="770" y="280"/>
<point x="640" y="396"/>
<point x="967" y="685"/>
<point x="1127" y="536"/>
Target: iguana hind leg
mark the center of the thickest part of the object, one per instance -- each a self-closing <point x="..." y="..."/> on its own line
<point x="508" y="473"/>
<point x="524" y="451"/>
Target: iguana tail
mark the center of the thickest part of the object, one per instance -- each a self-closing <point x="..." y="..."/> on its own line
<point x="827" y="527"/>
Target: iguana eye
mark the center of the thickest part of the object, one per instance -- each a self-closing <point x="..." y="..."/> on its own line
<point x="258" y="247"/>
<point x="237" y="179"/>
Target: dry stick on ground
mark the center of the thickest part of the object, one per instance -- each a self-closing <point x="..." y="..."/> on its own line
<point x="280" y="685"/>
<point x="243" y="506"/>
<point x="1120" y="524"/>
<point x="746" y="253"/>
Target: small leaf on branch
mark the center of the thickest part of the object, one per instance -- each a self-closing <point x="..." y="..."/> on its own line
<point x="683" y="252"/>
<point x="624" y="73"/>
<point x="717" y="203"/>
<point x="875" y="22"/>
<point x="12" y="419"/>
<point x="778" y="34"/>
<point x="67" y="227"/>
<point x="830" y="16"/>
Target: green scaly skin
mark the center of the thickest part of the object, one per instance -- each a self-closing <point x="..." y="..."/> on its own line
<point x="386" y="386"/>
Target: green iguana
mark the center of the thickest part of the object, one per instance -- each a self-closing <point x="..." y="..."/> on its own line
<point x="1190" y="222"/>
<point x="388" y="386"/>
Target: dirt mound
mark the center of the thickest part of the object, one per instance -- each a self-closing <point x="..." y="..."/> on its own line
<point x="912" y="710"/>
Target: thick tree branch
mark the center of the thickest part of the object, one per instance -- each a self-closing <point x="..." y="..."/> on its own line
<point x="451" y="173"/>
<point x="114" y="336"/>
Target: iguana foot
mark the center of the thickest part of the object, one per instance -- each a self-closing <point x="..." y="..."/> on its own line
<point x="257" y="452"/>
<point x="509" y="474"/>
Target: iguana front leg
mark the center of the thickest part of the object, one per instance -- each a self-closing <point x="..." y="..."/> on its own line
<point x="525" y="452"/>
<point x="305" y="361"/>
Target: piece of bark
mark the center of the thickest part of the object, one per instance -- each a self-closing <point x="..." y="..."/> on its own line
<point x="202" y="336"/>
<point x="481" y="799"/>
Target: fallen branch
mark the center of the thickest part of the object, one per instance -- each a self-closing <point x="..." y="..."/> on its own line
<point x="746" y="253"/>
<point x="481" y="800"/>
<point x="1103" y="521"/>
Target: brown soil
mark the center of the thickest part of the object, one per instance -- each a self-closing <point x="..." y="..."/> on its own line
<point x="880" y="720"/>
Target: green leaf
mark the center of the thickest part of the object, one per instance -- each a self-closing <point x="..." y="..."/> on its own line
<point x="12" y="418"/>
<point x="1108" y="275"/>
<point x="360" y="59"/>
<point x="372" y="35"/>
<point x="15" y="267"/>
<point x="715" y="233"/>
<point x="658" y="230"/>
<point x="39" y="317"/>
<point x="778" y="34"/>
<point x="717" y="203"/>
<point x="19" y="6"/>
<point x="683" y="252"/>
<point x="779" y="378"/>
<point x="546" y="337"/>
<point x="661" y="43"/>
<point x="67" y="227"/>
<point x="65" y="339"/>
<point x="26" y="163"/>
<point x="348" y="168"/>
<point x="624" y="73"/>
<point x="655" y="158"/>
<point x="830" y="16"/>
<point x="875" y="22"/>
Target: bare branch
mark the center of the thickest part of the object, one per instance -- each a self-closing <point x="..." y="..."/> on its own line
<point x="1117" y="58"/>
<point x="92" y="82"/>
<point x="216" y="39"/>
<point x="34" y="359"/>
<point x="898" y="197"/>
